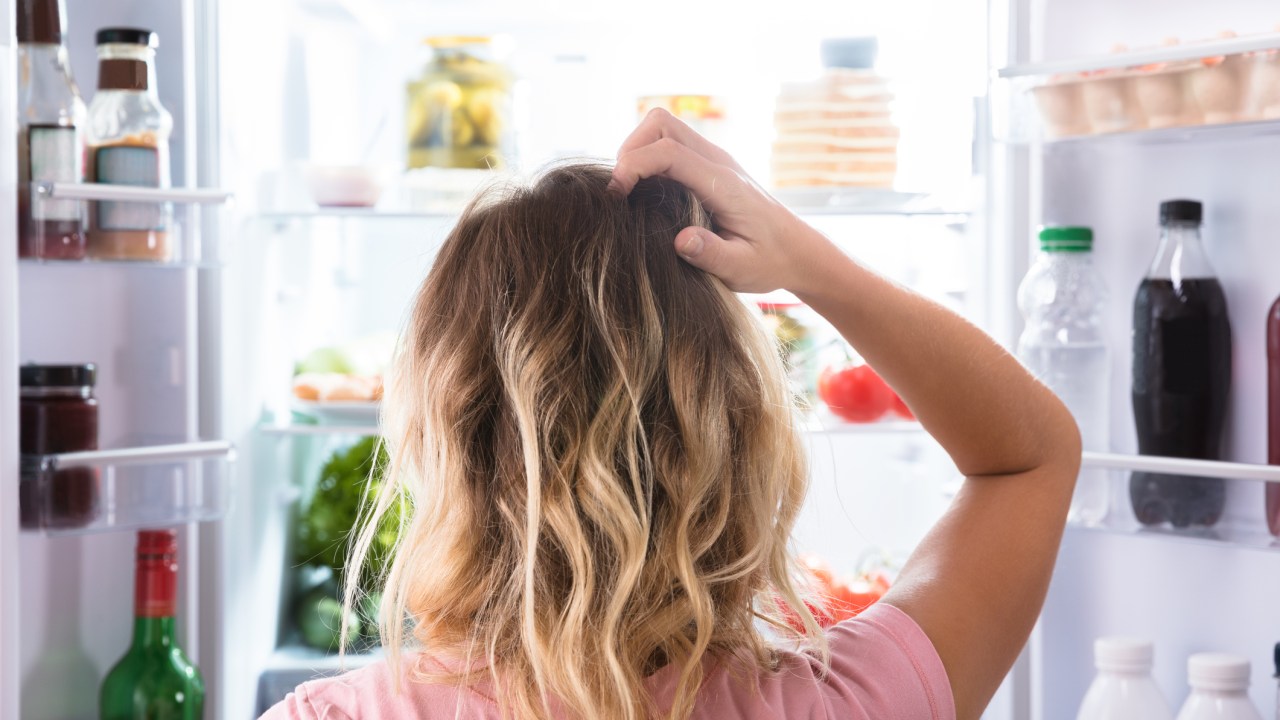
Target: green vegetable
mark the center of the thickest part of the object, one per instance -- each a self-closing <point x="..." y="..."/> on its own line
<point x="320" y="620"/>
<point x="326" y="360"/>
<point x="326" y="526"/>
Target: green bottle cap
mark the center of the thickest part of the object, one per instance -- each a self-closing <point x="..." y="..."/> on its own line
<point x="1066" y="239"/>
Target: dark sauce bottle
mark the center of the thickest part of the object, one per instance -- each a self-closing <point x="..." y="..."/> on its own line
<point x="1181" y="373"/>
<point x="51" y="119"/>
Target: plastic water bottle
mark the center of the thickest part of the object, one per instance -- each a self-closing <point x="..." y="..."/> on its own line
<point x="1219" y="689"/>
<point x="1123" y="689"/>
<point x="1062" y="299"/>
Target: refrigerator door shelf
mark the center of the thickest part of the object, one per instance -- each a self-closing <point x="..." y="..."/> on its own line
<point x="1149" y="92"/>
<point x="1201" y="488"/>
<point x="109" y="490"/>
<point x="141" y="226"/>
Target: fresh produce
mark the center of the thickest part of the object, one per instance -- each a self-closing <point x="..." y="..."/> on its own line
<point x="839" y="599"/>
<point x="855" y="392"/>
<point x="346" y="486"/>
<point x="326" y="526"/>
<point x="320" y="617"/>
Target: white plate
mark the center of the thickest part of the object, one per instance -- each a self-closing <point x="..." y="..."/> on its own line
<point x="345" y="411"/>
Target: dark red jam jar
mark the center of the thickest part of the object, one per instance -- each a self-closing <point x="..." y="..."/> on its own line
<point x="58" y="414"/>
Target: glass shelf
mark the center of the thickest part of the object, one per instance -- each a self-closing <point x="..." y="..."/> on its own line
<point x="131" y="264"/>
<point x="826" y="426"/>
<point x="306" y="429"/>
<point x="343" y="213"/>
<point x="865" y="202"/>
<point x="107" y="490"/>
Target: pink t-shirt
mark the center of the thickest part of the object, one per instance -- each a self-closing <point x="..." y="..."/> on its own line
<point x="882" y="667"/>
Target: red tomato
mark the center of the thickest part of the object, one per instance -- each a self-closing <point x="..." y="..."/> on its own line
<point x="854" y="393"/>
<point x="900" y="408"/>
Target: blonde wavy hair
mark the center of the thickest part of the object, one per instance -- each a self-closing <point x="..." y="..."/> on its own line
<point x="596" y="449"/>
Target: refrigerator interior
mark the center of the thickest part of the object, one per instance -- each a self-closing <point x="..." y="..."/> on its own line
<point x="1187" y="594"/>
<point x="331" y="90"/>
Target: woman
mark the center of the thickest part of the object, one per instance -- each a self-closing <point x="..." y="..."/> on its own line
<point x="598" y="443"/>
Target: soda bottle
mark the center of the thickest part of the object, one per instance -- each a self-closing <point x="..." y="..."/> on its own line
<point x="1181" y="372"/>
<point x="1062" y="299"/>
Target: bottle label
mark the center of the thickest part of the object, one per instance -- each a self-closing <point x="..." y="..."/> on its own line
<point x="55" y="157"/>
<point x="128" y="165"/>
<point x="156" y="586"/>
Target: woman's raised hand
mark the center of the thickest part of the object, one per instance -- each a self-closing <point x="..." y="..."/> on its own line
<point x="758" y="245"/>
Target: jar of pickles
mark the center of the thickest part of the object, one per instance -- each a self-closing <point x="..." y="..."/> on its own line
<point x="458" y="112"/>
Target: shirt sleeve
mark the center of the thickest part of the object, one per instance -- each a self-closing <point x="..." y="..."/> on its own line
<point x="888" y="666"/>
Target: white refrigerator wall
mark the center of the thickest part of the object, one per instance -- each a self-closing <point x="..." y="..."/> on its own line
<point x="1186" y="597"/>
<point x="138" y="324"/>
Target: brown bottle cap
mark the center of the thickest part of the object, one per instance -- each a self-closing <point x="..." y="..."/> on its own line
<point x="40" y="21"/>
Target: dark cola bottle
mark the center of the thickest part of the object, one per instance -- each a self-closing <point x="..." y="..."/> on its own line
<point x="1181" y="373"/>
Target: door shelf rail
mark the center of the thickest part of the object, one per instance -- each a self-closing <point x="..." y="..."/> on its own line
<point x="129" y="193"/>
<point x="127" y="488"/>
<point x="1183" y="466"/>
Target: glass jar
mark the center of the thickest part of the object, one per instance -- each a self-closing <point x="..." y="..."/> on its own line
<point x="128" y="145"/>
<point x="459" y="111"/>
<point x="51" y="119"/>
<point x="58" y="413"/>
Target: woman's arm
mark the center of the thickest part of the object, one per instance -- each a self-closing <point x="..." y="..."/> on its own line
<point x="978" y="580"/>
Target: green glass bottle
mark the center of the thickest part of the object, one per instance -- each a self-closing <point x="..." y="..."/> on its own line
<point x="154" y="680"/>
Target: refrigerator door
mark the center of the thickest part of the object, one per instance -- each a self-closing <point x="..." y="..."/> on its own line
<point x="11" y="612"/>
<point x="1213" y="590"/>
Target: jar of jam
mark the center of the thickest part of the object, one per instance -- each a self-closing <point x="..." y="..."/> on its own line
<point x="58" y="413"/>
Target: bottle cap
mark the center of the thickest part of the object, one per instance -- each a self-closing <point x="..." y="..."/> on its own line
<point x="34" y="376"/>
<point x="157" y="542"/>
<point x="1181" y="211"/>
<point x="1122" y="654"/>
<point x="127" y="36"/>
<point x="1217" y="671"/>
<point x="40" y="21"/>
<point x="1066" y="239"/>
<point x="858" y="53"/>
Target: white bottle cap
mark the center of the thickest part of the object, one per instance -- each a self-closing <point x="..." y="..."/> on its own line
<point x="1122" y="654"/>
<point x="1218" y="671"/>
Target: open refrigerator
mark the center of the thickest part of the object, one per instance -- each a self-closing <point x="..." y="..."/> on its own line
<point x="201" y="430"/>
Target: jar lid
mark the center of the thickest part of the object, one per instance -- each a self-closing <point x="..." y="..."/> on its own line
<point x="1218" y="671"/>
<point x="127" y="36"/>
<point x="40" y="21"/>
<point x="1122" y="654"/>
<point x="858" y="53"/>
<point x="1066" y="239"/>
<point x="58" y="375"/>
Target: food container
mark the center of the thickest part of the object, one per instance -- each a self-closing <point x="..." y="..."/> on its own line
<point x="1219" y="86"/>
<point x="58" y="413"/>
<point x="1206" y="82"/>
<point x="345" y="185"/>
<point x="703" y="113"/>
<point x="1264" y="95"/>
<point x="459" y="111"/>
<point x="1111" y="102"/>
<point x="1164" y="97"/>
<point x="1061" y="104"/>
